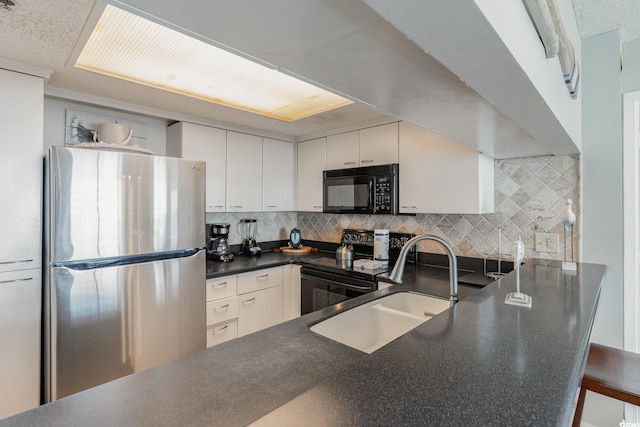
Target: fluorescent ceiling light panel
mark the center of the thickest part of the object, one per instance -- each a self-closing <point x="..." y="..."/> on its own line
<point x="129" y="47"/>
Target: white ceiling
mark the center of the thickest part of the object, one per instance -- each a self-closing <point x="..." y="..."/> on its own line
<point x="44" y="34"/>
<point x="601" y="16"/>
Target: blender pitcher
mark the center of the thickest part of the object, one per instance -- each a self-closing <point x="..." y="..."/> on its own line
<point x="248" y="229"/>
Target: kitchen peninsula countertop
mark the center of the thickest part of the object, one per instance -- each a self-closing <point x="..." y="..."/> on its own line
<point x="480" y="362"/>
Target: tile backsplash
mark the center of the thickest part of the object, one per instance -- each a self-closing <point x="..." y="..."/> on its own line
<point x="530" y="195"/>
<point x="271" y="225"/>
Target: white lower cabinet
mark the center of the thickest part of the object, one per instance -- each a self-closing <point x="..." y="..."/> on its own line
<point x="222" y="310"/>
<point x="240" y="304"/>
<point x="291" y="291"/>
<point x="222" y="332"/>
<point x="259" y="309"/>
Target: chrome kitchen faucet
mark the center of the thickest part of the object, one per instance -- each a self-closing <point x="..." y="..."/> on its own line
<point x="398" y="268"/>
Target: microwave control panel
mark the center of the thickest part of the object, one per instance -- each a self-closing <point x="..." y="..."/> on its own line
<point x="384" y="195"/>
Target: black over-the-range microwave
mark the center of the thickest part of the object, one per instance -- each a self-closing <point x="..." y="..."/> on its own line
<point x="365" y="190"/>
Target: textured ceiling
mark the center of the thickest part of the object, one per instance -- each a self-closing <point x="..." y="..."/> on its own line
<point x="44" y="33"/>
<point x="601" y="16"/>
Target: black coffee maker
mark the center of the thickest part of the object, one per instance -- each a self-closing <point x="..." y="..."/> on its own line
<point x="218" y="246"/>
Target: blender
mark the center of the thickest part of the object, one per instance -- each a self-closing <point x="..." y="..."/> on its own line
<point x="248" y="228"/>
<point x="218" y="247"/>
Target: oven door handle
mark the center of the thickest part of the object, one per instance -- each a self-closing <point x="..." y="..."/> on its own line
<point x="333" y="282"/>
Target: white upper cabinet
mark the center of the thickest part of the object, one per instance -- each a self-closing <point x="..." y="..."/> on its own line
<point x="342" y="150"/>
<point x="376" y="145"/>
<point x="244" y="172"/>
<point x="197" y="142"/>
<point x="311" y="163"/>
<point x="379" y="145"/>
<point x="438" y="175"/>
<point x="278" y="175"/>
<point x="21" y="124"/>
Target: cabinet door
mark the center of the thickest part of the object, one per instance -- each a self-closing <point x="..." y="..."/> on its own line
<point x="260" y="309"/>
<point x="20" y="307"/>
<point x="441" y="176"/>
<point x="278" y="176"/>
<point x="244" y="172"/>
<point x="21" y="124"/>
<point x="311" y="163"/>
<point x="291" y="291"/>
<point x="197" y="142"/>
<point x="379" y="145"/>
<point x="342" y="150"/>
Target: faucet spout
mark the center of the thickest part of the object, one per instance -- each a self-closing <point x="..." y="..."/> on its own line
<point x="398" y="268"/>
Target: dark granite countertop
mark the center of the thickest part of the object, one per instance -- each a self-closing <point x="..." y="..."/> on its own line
<point x="243" y="264"/>
<point x="481" y="362"/>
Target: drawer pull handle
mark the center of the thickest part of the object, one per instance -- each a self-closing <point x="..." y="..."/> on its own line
<point x="409" y="207"/>
<point x="262" y="277"/>
<point x="220" y="285"/>
<point x="271" y="206"/>
<point x="249" y="301"/>
<point x="366" y="161"/>
<point x="222" y="307"/>
<point x="349" y="163"/>
<point x="317" y="207"/>
<point x="237" y="206"/>
<point x="220" y="330"/>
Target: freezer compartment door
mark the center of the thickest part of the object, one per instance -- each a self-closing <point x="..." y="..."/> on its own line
<point x="113" y="321"/>
<point x="107" y="204"/>
<point x="20" y="308"/>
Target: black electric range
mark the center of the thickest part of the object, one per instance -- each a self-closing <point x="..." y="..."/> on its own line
<point x="326" y="281"/>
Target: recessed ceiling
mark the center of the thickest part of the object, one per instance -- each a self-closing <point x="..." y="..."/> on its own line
<point x="129" y="47"/>
<point x="44" y="33"/>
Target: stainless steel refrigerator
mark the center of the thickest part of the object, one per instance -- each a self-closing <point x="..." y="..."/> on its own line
<point x="125" y="283"/>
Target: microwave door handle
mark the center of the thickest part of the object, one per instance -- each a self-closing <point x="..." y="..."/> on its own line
<point x="372" y="186"/>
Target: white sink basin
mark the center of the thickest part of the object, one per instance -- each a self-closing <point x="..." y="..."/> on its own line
<point x="375" y="324"/>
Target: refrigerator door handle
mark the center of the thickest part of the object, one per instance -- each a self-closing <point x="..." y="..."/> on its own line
<point x="126" y="260"/>
<point x="26" y="279"/>
<point x="19" y="261"/>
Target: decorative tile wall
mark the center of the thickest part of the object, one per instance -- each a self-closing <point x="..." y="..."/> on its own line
<point x="530" y="195"/>
<point x="271" y="225"/>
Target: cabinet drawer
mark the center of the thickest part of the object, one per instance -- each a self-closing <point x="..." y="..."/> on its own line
<point x="221" y="310"/>
<point x="261" y="279"/>
<point x="258" y="310"/>
<point x="221" y="287"/>
<point x="222" y="332"/>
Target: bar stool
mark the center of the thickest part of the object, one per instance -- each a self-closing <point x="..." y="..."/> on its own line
<point x="610" y="372"/>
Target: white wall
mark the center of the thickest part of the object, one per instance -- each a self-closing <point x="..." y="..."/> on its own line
<point x="602" y="197"/>
<point x="511" y="21"/>
<point x="54" y="124"/>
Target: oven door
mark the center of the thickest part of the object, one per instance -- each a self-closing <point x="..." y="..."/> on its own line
<point x="319" y="289"/>
<point x="348" y="194"/>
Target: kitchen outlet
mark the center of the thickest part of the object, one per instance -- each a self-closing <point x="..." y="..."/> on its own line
<point x="547" y="242"/>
